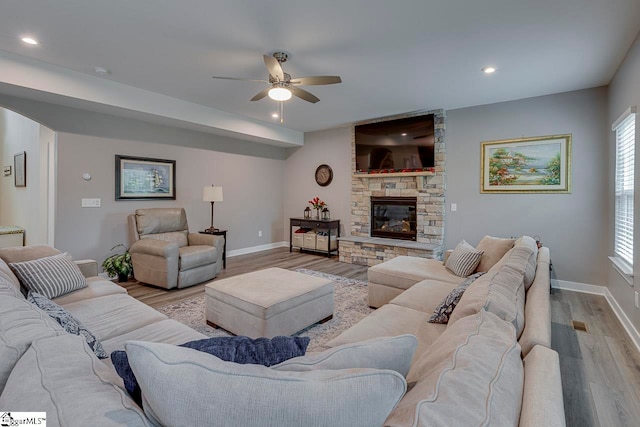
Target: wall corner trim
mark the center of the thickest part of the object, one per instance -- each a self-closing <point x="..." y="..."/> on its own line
<point x="613" y="303"/>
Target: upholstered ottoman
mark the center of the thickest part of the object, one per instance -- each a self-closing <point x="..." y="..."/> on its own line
<point x="268" y="303"/>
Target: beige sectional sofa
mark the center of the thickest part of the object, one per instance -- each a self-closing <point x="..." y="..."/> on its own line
<point x="471" y="361"/>
<point x="469" y="372"/>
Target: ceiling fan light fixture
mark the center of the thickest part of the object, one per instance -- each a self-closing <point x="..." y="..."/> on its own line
<point x="280" y="93"/>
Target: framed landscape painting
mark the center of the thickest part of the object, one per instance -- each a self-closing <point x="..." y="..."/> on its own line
<point x="141" y="178"/>
<point x="540" y="164"/>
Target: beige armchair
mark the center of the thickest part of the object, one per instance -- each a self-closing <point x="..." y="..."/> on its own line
<point x="165" y="254"/>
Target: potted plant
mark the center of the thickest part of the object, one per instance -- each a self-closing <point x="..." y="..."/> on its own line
<point x="119" y="264"/>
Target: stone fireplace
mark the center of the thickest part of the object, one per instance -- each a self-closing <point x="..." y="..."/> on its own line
<point x="364" y="246"/>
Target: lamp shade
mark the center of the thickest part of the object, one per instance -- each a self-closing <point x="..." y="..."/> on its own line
<point x="212" y="194"/>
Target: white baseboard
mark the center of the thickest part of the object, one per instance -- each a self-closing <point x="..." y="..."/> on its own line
<point x="613" y="303"/>
<point x="259" y="248"/>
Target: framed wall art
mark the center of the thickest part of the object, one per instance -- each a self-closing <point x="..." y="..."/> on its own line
<point x="141" y="178"/>
<point x="20" y="169"/>
<point x="540" y="164"/>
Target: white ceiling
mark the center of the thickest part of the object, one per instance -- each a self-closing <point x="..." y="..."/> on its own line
<point x="393" y="56"/>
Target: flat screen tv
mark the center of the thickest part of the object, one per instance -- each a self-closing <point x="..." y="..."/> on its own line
<point x="403" y="145"/>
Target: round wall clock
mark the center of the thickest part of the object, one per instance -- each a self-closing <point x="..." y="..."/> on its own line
<point x="324" y="175"/>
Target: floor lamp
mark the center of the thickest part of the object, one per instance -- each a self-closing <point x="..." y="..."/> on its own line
<point x="212" y="194"/>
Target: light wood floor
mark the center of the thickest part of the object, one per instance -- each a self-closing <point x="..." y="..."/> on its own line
<point x="600" y="368"/>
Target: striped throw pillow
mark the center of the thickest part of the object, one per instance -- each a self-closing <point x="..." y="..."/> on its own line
<point x="464" y="259"/>
<point x="50" y="276"/>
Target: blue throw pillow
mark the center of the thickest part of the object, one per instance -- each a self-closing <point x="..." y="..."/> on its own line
<point x="68" y="321"/>
<point x="243" y="350"/>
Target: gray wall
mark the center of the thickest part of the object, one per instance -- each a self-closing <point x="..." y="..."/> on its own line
<point x="253" y="193"/>
<point x="571" y="225"/>
<point x="17" y="134"/>
<point x="331" y="147"/>
<point x="624" y="91"/>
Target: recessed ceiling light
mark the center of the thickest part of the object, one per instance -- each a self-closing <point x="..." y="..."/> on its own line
<point x="489" y="70"/>
<point x="29" y="40"/>
<point x="275" y="115"/>
<point x="403" y="134"/>
<point x="101" y="70"/>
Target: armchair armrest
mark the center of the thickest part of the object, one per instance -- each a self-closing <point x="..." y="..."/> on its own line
<point x="88" y="267"/>
<point x="161" y="248"/>
<point x="206" y="239"/>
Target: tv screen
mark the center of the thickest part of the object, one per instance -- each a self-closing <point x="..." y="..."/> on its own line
<point x="403" y="145"/>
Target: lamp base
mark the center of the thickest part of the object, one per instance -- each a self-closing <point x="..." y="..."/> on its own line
<point x="211" y="230"/>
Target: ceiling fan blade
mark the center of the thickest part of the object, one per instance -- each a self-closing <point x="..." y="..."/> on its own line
<point x="316" y="80"/>
<point x="243" y="80"/>
<point x="303" y="94"/>
<point x="274" y="67"/>
<point x="261" y="94"/>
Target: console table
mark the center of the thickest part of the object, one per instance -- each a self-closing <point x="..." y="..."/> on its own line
<point x="329" y="225"/>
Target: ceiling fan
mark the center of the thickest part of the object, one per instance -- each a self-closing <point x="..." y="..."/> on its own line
<point x="282" y="86"/>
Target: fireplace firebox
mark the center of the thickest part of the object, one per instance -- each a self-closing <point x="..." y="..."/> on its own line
<point x="393" y="217"/>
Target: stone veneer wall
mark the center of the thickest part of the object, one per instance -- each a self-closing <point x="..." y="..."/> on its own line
<point x="429" y="189"/>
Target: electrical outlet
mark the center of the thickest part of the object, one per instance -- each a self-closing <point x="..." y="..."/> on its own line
<point x="454" y="207"/>
<point x="637" y="300"/>
<point x="91" y="203"/>
<point x="259" y="233"/>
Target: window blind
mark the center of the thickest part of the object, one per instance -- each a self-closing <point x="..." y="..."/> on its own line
<point x="625" y="158"/>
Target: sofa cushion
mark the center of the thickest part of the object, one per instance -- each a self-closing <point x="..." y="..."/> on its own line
<point x="493" y="249"/>
<point x="463" y="260"/>
<point x="20" y="323"/>
<point x="392" y="320"/>
<point x="500" y="291"/>
<point x="68" y="322"/>
<point x="61" y="376"/>
<point x="50" y="276"/>
<point x="537" y="311"/>
<point x="394" y="353"/>
<point x="443" y="311"/>
<point x="424" y="296"/>
<point x="196" y="256"/>
<point x="254" y="395"/>
<point x="27" y="253"/>
<point x="471" y="375"/>
<point x="113" y="315"/>
<point x="8" y="276"/>
<point x="96" y="287"/>
<point x="402" y="272"/>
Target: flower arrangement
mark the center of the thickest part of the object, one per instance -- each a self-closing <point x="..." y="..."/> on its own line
<point x="317" y="203"/>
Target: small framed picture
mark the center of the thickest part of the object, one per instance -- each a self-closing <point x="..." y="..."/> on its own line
<point x="142" y="178"/>
<point x="20" y="169"/>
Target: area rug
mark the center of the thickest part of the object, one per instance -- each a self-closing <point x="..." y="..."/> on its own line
<point x="350" y="305"/>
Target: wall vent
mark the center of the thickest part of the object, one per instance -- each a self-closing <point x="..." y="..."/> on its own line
<point x="579" y="326"/>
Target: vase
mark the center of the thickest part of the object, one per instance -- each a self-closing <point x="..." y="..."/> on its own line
<point x="318" y="213"/>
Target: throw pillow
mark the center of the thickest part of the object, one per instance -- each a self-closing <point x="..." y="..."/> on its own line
<point x="182" y="386"/>
<point x="243" y="350"/>
<point x="68" y="322"/>
<point x="445" y="308"/>
<point x="50" y="276"/>
<point x="394" y="353"/>
<point x="494" y="249"/>
<point x="463" y="260"/>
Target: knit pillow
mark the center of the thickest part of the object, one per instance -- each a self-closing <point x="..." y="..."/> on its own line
<point x="50" y="276"/>
<point x="463" y="260"/>
<point x="68" y="321"/>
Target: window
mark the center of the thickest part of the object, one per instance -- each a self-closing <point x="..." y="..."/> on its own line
<point x="625" y="129"/>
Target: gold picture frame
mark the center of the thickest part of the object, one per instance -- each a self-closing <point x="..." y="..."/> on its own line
<point x="540" y="164"/>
